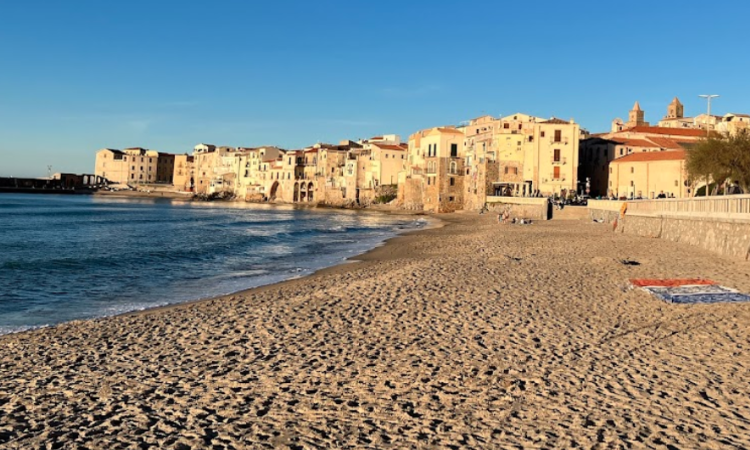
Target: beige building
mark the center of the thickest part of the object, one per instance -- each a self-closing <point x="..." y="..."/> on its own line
<point x="184" y="173"/>
<point x="433" y="178"/>
<point x="648" y="174"/>
<point x="134" y="166"/>
<point x="520" y="155"/>
<point x="675" y="133"/>
<point x="733" y="123"/>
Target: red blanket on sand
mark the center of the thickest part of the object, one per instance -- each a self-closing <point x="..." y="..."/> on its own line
<point x="642" y="282"/>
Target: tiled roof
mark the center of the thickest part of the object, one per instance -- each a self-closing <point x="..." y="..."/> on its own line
<point x="635" y="142"/>
<point x="671" y="155"/>
<point x="668" y="131"/>
<point x="390" y="147"/>
<point x="556" y="121"/>
<point x="448" y="130"/>
<point x="663" y="142"/>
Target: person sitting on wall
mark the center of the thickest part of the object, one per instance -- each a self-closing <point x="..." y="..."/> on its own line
<point x="661" y="195"/>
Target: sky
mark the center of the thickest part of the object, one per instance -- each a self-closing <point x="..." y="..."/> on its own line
<point x="81" y="75"/>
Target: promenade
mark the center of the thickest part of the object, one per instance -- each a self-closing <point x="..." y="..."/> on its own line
<point x="470" y="335"/>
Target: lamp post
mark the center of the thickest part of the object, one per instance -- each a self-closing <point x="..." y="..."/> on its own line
<point x="708" y="97"/>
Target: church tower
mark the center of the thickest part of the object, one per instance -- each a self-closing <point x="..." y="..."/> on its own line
<point x="675" y="110"/>
<point x="636" y="116"/>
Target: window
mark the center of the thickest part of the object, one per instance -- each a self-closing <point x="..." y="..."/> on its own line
<point x="676" y="183"/>
<point x="132" y="167"/>
<point x="610" y="170"/>
<point x="520" y="126"/>
<point x="542" y="134"/>
<point x="506" y="125"/>
<point x="558" y="135"/>
<point x="621" y="152"/>
<point x="453" y="181"/>
<point x="132" y="176"/>
<point x="557" y="155"/>
<point x="454" y="150"/>
<point x="631" y="183"/>
<point x="556" y="173"/>
<point x="531" y="138"/>
<point x="506" y="170"/>
<point x="632" y="170"/>
<point x="451" y="199"/>
<point x="515" y="171"/>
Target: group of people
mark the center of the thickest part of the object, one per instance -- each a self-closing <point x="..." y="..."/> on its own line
<point x="661" y="195"/>
<point x="504" y="217"/>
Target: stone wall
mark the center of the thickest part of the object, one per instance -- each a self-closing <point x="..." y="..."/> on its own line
<point x="600" y="214"/>
<point x="725" y="236"/>
<point x="413" y="194"/>
<point x="520" y="208"/>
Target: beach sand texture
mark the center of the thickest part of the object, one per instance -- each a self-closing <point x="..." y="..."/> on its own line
<point x="473" y="335"/>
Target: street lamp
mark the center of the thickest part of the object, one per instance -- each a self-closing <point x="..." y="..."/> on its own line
<point x="708" y="114"/>
<point x="708" y="97"/>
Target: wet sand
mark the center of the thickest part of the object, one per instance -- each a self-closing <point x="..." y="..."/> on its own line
<point x="472" y="335"/>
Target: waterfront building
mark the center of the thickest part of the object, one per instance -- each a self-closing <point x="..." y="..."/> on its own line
<point x="184" y="173"/>
<point x="520" y="155"/>
<point x="433" y="178"/>
<point x="215" y="169"/>
<point x="135" y="166"/>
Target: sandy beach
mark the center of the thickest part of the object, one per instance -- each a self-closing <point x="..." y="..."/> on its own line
<point x="469" y="335"/>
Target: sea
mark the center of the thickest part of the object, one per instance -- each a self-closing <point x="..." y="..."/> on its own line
<point x="70" y="257"/>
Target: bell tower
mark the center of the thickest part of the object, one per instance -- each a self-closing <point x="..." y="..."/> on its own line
<point x="636" y="116"/>
<point x="675" y="110"/>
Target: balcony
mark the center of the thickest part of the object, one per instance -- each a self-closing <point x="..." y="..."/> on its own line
<point x="558" y="161"/>
<point x="562" y="140"/>
<point x="552" y="178"/>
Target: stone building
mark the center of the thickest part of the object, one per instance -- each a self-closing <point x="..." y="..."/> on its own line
<point x="434" y="174"/>
<point x="520" y="155"/>
<point x="184" y="174"/>
<point x="135" y="166"/>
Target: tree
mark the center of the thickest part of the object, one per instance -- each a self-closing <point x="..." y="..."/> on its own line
<point x="721" y="159"/>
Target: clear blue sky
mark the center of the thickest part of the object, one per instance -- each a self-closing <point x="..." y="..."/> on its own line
<point x="80" y="75"/>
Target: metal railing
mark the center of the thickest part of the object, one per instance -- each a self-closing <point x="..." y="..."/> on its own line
<point x="718" y="205"/>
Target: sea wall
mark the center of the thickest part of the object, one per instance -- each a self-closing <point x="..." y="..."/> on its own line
<point x="720" y="225"/>
<point x="521" y="207"/>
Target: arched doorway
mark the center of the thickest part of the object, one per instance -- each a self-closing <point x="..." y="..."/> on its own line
<point x="302" y="192"/>
<point x="310" y="192"/>
<point x="274" y="188"/>
<point x="296" y="192"/>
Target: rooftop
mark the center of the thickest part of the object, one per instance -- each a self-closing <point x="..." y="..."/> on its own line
<point x="664" y="130"/>
<point x="671" y="155"/>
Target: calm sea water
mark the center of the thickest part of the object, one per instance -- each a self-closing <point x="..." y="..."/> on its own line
<point x="76" y="257"/>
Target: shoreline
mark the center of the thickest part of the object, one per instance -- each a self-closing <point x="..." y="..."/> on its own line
<point x="368" y="255"/>
<point x="470" y="335"/>
<point x="432" y="222"/>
